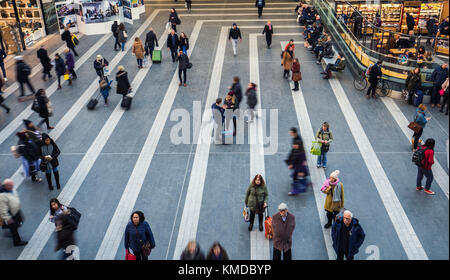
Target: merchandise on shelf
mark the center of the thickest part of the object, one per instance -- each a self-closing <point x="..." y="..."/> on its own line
<point x="390" y="15"/>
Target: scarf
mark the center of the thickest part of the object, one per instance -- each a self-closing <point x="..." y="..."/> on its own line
<point x="337" y="192"/>
<point x="270" y="26"/>
<point x="326" y="184"/>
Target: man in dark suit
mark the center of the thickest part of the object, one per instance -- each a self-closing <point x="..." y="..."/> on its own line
<point x="150" y="40"/>
<point x="172" y="44"/>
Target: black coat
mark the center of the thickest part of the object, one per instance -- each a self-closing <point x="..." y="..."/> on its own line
<point x="150" y="39"/>
<point x="43" y="109"/>
<point x="410" y="22"/>
<point x="173" y="18"/>
<point x="99" y="67"/>
<point x="56" y="152"/>
<point x="375" y="72"/>
<point x="64" y="236"/>
<point x="268" y="32"/>
<point x="175" y="44"/>
<point x="67" y="37"/>
<point x="236" y="88"/>
<point x="263" y="3"/>
<point x="251" y="98"/>
<point x="115" y="29"/>
<point x="22" y="71"/>
<point x="45" y="60"/>
<point x="29" y="150"/>
<point x="123" y="85"/>
<point x="60" y="66"/>
<point x="183" y="61"/>
<point x="184" y="42"/>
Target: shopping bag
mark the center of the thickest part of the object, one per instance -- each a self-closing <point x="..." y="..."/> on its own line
<point x="129" y="256"/>
<point x="246" y="214"/>
<point x="315" y="148"/>
<point x="145" y="62"/>
<point x="106" y="71"/>
<point x="66" y="77"/>
<point x="414" y="127"/>
<point x="268" y="230"/>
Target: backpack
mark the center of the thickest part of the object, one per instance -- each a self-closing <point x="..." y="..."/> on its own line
<point x="368" y="70"/>
<point x="419" y="156"/>
<point x="36" y="106"/>
<point x="74" y="217"/>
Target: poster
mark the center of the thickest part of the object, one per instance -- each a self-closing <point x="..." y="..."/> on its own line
<point x="66" y="13"/>
<point x="126" y="3"/>
<point x="127" y="13"/>
<point x="100" y="11"/>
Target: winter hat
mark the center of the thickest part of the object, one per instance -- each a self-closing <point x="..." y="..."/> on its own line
<point x="282" y="206"/>
<point x="335" y="174"/>
<point x="99" y="57"/>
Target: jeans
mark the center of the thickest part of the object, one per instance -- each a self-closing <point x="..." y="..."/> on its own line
<point x="139" y="62"/>
<point x="116" y="43"/>
<point x="235" y="43"/>
<point x="317" y="50"/>
<point x="428" y="173"/>
<point x="184" y="75"/>
<point x="330" y="67"/>
<point x="183" y="48"/>
<point x="2" y="65"/>
<point x="340" y="256"/>
<point x="416" y="137"/>
<point x="287" y="256"/>
<point x="322" y="159"/>
<point x="123" y="46"/>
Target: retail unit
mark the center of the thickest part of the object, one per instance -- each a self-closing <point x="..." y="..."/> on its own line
<point x="390" y="16"/>
<point x="413" y="8"/>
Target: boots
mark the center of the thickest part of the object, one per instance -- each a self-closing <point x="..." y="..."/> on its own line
<point x="330" y="220"/>
<point x="58" y="186"/>
<point x="49" y="180"/>
<point x="250" y="227"/>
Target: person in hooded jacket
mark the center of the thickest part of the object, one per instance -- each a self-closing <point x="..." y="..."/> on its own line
<point x="192" y="252"/>
<point x="217" y="253"/>
<point x="251" y="100"/>
<point x="46" y="63"/>
<point x="48" y="153"/>
<point x="45" y="108"/>
<point x="123" y="84"/>
<point x="137" y="234"/>
<point x="60" y="68"/>
<point x="70" y="63"/>
<point x="413" y="83"/>
<point x="347" y="235"/>
<point x="29" y="155"/>
<point x="99" y="64"/>
<point x="174" y="19"/>
<point x="122" y="36"/>
<point x="138" y="51"/>
<point x="256" y="199"/>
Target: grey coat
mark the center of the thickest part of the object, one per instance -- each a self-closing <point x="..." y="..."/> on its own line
<point x="121" y="37"/>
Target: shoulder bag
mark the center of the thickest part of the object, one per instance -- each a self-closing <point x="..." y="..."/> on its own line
<point x="146" y="249"/>
<point x="414" y="126"/>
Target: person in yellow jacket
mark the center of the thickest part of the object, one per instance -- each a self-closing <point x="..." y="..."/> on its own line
<point x="334" y="202"/>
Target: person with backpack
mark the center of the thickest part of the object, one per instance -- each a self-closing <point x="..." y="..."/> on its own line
<point x="424" y="159"/>
<point x="420" y="119"/>
<point x="251" y="100"/>
<point x="56" y="209"/>
<point x="174" y="19"/>
<point x="67" y="37"/>
<point x="105" y="86"/>
<point x="283" y="225"/>
<point x="48" y="153"/>
<point x="60" y="68"/>
<point x="334" y="202"/>
<point x="374" y="77"/>
<point x="217" y="252"/>
<point x="45" y="108"/>
<point x="23" y="70"/>
<point x="347" y="235"/>
<point x="325" y="137"/>
<point x="46" y="63"/>
<point x="235" y="36"/>
<point x="115" y="32"/>
<point x="256" y="199"/>
<point x="139" y="237"/>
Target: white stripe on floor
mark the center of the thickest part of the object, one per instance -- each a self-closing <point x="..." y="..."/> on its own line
<point x="228" y="15"/>
<point x="26" y="113"/>
<point x="400" y="221"/>
<point x="439" y="173"/>
<point x="317" y="174"/>
<point x="116" y="228"/>
<point x="215" y="4"/>
<point x="36" y="69"/>
<point x="43" y="232"/>
<point x="259" y="245"/>
<point x="193" y="201"/>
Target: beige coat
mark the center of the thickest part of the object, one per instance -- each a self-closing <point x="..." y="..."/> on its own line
<point x="138" y="50"/>
<point x="9" y="203"/>
<point x="287" y="60"/>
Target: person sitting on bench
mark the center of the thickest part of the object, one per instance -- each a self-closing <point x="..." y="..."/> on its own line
<point x="327" y="50"/>
<point x="338" y="65"/>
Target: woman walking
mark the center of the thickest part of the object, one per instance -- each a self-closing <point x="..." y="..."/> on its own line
<point x="138" y="234"/>
<point x="99" y="65"/>
<point x="217" y="253"/>
<point x="174" y="19"/>
<point x="334" y="202"/>
<point x="421" y="119"/>
<point x="138" y="51"/>
<point x="296" y="74"/>
<point x="67" y="37"/>
<point x="256" y="200"/>
<point x="122" y="36"/>
<point x="268" y="30"/>
<point x="325" y="137"/>
<point x="286" y="61"/>
<point x="251" y="99"/>
<point x="192" y="252"/>
<point x="123" y="84"/>
<point x="45" y="108"/>
<point x="70" y="63"/>
<point x="184" y="43"/>
<point x="56" y="209"/>
<point x="425" y="167"/>
<point x="48" y="153"/>
<point x="60" y="68"/>
<point x="413" y="83"/>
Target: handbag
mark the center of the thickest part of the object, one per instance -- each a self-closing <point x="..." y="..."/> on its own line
<point x="316" y="148"/>
<point x="145" y="249"/>
<point x="129" y="256"/>
<point x="125" y="35"/>
<point x="43" y="166"/>
<point x="66" y="76"/>
<point x="414" y="126"/>
<point x="246" y="214"/>
<point x="189" y="65"/>
<point x="441" y="92"/>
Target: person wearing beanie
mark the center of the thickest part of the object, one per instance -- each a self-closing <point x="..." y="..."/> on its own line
<point x="48" y="153"/>
<point x="334" y="202"/>
<point x="99" y="64"/>
<point x="235" y="35"/>
<point x="256" y="200"/>
<point x="283" y="225"/>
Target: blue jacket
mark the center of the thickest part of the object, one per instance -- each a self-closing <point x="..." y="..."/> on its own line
<point x="419" y="117"/>
<point x="105" y="91"/>
<point x="356" y="238"/>
<point x="60" y="67"/>
<point x="135" y="240"/>
<point x="439" y="75"/>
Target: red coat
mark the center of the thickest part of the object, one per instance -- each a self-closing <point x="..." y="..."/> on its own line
<point x="429" y="159"/>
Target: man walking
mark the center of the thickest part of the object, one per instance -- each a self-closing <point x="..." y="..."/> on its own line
<point x="22" y="73"/>
<point x="10" y="213"/>
<point x="45" y="61"/>
<point x="172" y="44"/>
<point x="150" y="41"/>
<point x="260" y="4"/>
<point x="283" y="224"/>
<point x="182" y="66"/>
<point x="115" y="31"/>
<point x="438" y="77"/>
<point x="235" y="35"/>
<point x="374" y="76"/>
<point x="347" y="235"/>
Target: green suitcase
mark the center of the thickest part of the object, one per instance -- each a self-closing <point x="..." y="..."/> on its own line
<point x="156" y="56"/>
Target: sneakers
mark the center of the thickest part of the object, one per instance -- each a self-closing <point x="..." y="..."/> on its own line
<point x="428" y="191"/>
<point x="419" y="188"/>
<point x="319" y="166"/>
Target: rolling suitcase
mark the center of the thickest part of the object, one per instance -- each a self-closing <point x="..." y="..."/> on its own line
<point x="156" y="56"/>
<point x="126" y="102"/>
<point x="92" y="103"/>
<point x="418" y="98"/>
